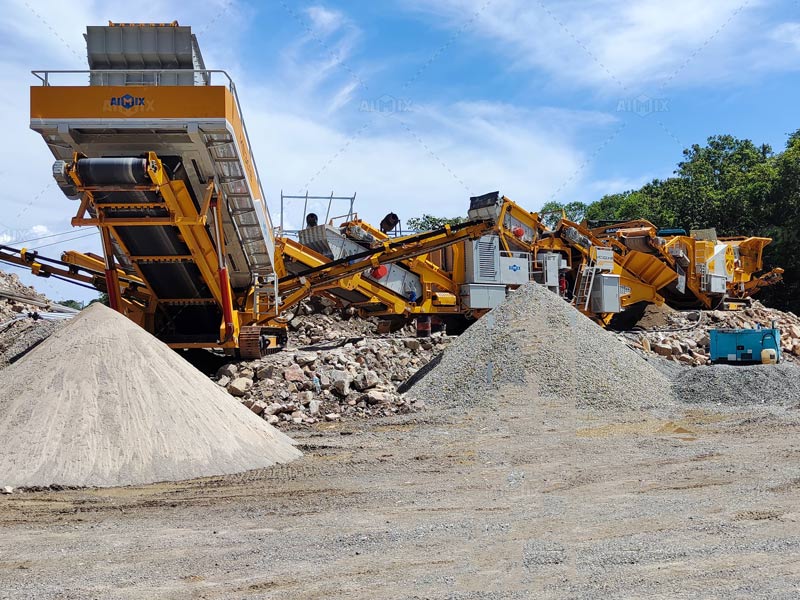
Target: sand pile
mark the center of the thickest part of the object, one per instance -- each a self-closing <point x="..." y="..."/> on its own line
<point x="537" y="341"/>
<point x="103" y="403"/>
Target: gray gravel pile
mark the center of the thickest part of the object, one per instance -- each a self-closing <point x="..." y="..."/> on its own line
<point x="536" y="340"/>
<point x="776" y="385"/>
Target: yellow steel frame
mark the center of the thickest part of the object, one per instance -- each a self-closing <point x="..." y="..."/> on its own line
<point x="182" y="214"/>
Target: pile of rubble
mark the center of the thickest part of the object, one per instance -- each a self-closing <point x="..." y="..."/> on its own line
<point x="682" y="336"/>
<point x="20" y="325"/>
<point x="13" y="294"/>
<point x="318" y="320"/>
<point x="354" y="377"/>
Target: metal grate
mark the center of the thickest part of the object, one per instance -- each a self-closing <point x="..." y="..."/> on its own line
<point x="487" y="251"/>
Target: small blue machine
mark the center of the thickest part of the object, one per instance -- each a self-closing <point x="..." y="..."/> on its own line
<point x="745" y="346"/>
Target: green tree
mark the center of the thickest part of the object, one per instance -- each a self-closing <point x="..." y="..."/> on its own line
<point x="102" y="298"/>
<point x="552" y="211"/>
<point x="429" y="223"/>
<point x="781" y="212"/>
<point x="71" y="304"/>
<point x="726" y="182"/>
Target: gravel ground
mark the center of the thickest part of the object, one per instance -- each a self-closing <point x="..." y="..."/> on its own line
<point x="537" y="340"/>
<point x="773" y="385"/>
<point x="516" y="500"/>
<point x="485" y="495"/>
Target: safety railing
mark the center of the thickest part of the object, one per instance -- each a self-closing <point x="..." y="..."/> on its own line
<point x="154" y="77"/>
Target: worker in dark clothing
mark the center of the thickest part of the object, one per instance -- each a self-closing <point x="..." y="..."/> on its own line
<point x="311" y="220"/>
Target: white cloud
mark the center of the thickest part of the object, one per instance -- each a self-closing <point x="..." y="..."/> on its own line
<point x="608" y="44"/>
<point x="617" y="185"/>
<point x="787" y="33"/>
<point x="323" y="20"/>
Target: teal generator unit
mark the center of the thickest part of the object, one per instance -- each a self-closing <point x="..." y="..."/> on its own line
<point x="745" y="346"/>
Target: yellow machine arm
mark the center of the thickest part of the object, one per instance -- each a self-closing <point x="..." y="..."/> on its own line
<point x="347" y="273"/>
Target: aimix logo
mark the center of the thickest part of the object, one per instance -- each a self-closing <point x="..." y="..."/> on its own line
<point x="128" y="103"/>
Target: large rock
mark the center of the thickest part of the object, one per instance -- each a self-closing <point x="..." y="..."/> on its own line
<point x="267" y="371"/>
<point x="305" y="358"/>
<point x="662" y="349"/>
<point x="340" y="382"/>
<point x="294" y="373"/>
<point x="230" y="371"/>
<point x="366" y="380"/>
<point x="240" y="386"/>
<point x="258" y="407"/>
<point x="412" y="344"/>
<point x="378" y="397"/>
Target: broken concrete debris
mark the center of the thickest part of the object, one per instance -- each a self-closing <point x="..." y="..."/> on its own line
<point x="682" y="336"/>
<point x="355" y="379"/>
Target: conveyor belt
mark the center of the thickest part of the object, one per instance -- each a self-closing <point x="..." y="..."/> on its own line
<point x="113" y="171"/>
<point x="173" y="280"/>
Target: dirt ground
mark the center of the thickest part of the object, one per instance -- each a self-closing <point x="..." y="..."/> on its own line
<point x="524" y="498"/>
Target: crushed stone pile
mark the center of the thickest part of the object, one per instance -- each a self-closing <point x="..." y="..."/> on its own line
<point x="736" y="385"/>
<point x="103" y="403"/>
<point x="338" y="366"/>
<point x="538" y="341"/>
<point x="682" y="336"/>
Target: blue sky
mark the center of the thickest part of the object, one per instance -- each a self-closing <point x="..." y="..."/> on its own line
<point x="416" y="105"/>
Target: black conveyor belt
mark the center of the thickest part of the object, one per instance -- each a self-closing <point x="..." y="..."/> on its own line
<point x="101" y="171"/>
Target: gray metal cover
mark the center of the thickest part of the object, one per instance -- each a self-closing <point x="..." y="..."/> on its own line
<point x="550" y="262"/>
<point x="142" y="47"/>
<point x="515" y="270"/>
<point x="318" y="239"/>
<point x="716" y="284"/>
<point x="605" y="293"/>
<point x="482" y="295"/>
<point x="482" y="258"/>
